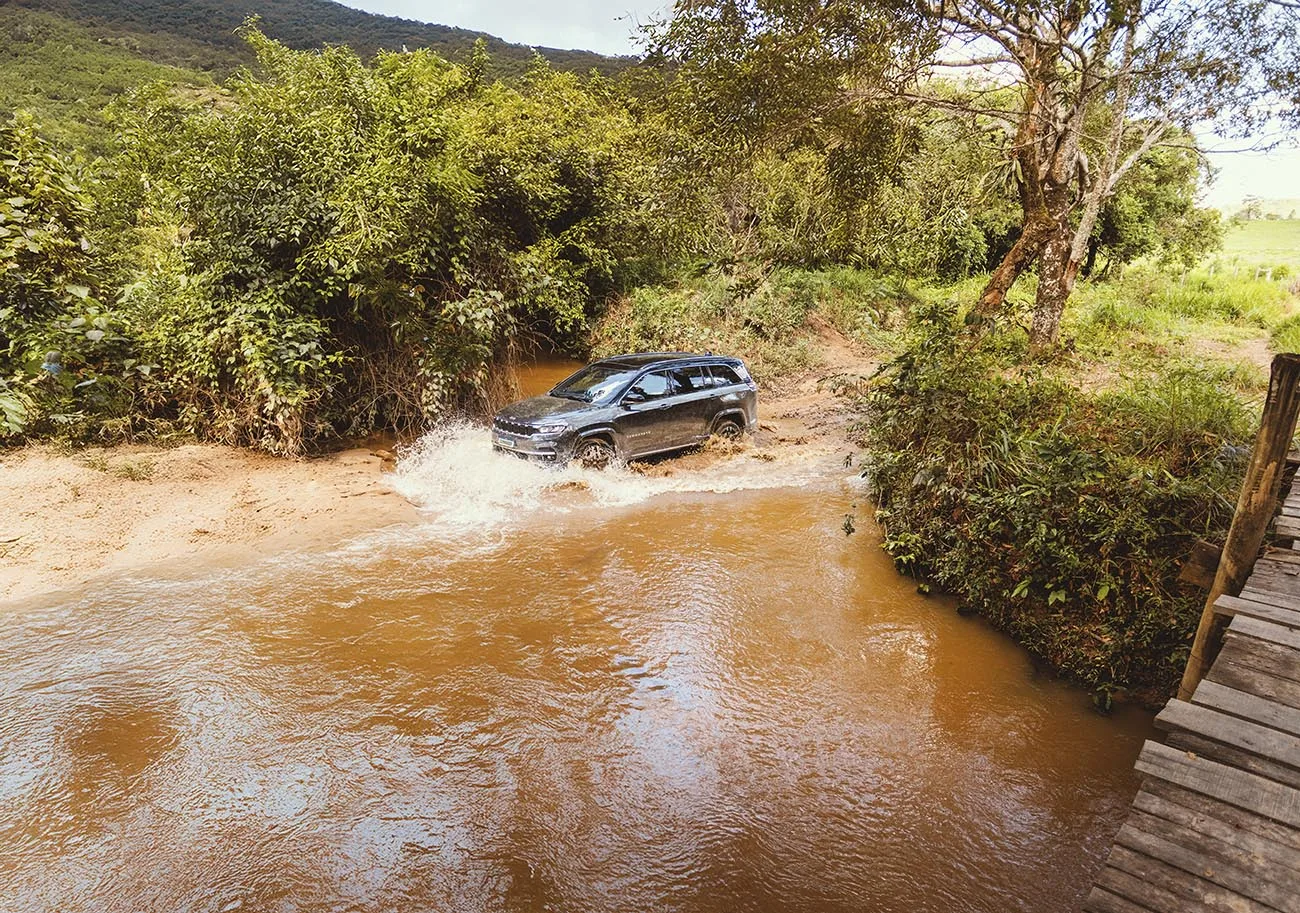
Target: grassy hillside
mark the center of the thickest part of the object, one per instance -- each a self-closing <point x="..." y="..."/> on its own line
<point x="1266" y="242"/>
<point x="206" y="31"/>
<point x="65" y="73"/>
<point x="64" y="60"/>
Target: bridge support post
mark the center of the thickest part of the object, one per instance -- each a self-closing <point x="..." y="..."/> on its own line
<point x="1255" y="508"/>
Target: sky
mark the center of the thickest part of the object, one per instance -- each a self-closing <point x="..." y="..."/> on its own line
<point x="605" y="26"/>
<point x="608" y="27"/>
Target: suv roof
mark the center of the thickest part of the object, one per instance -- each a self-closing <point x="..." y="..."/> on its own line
<point x="646" y="359"/>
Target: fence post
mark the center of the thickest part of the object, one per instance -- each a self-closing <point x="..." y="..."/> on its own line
<point x="1255" y="508"/>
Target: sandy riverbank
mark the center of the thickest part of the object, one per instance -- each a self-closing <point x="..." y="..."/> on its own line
<point x="71" y="516"/>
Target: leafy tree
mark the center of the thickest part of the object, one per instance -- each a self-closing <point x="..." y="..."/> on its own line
<point x="1153" y="213"/>
<point x="1098" y="86"/>
<point x="332" y="247"/>
<point x="1078" y="93"/>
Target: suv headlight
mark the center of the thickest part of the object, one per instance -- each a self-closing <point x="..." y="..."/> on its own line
<point x="553" y="428"/>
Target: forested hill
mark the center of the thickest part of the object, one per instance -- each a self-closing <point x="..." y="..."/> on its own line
<point x="207" y="40"/>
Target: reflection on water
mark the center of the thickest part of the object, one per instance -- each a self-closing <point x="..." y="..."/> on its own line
<point x="705" y="698"/>
<point x="538" y="377"/>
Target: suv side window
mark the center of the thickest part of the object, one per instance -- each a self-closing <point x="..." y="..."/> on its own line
<point x="692" y="380"/>
<point x="724" y="376"/>
<point x="653" y="386"/>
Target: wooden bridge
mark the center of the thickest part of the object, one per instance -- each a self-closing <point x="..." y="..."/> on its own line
<point x="1216" y="824"/>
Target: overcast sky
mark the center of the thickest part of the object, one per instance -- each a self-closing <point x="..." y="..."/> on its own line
<point x="607" y="26"/>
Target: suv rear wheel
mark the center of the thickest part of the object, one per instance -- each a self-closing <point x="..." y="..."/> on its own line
<point x="728" y="429"/>
<point x="595" y="453"/>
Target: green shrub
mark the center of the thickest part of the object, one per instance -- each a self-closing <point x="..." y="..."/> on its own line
<point x="1063" y="517"/>
<point x="331" y="247"/>
<point x="767" y="319"/>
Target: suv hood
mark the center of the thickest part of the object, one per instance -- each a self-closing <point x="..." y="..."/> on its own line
<point x="541" y="407"/>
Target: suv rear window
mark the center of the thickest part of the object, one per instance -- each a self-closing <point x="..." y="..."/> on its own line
<point x="724" y="376"/>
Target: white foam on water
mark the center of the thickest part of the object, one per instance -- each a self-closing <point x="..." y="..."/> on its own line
<point x="454" y="475"/>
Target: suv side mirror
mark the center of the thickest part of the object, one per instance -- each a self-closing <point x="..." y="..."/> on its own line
<point x="634" y="396"/>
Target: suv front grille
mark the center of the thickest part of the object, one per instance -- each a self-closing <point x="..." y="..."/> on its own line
<point x="511" y="427"/>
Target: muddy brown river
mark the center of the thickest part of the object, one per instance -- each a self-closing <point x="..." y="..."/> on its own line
<point x="572" y="692"/>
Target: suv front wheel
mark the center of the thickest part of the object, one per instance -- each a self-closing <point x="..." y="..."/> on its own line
<point x="595" y="453"/>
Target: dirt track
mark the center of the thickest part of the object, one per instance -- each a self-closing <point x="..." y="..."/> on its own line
<point x="71" y="516"/>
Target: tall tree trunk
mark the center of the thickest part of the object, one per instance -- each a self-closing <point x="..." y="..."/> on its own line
<point x="1090" y="262"/>
<point x="1015" y="262"/>
<point x="1057" y="272"/>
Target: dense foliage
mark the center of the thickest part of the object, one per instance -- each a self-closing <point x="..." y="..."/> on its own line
<point x="331" y="247"/>
<point x="56" y="341"/>
<point x="1060" y="515"/>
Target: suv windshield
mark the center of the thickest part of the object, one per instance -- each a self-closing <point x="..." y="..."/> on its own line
<point x="594" y="383"/>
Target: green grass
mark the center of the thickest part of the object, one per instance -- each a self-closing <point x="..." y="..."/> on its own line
<point x="65" y="74"/>
<point x="1150" y="319"/>
<point x="1263" y="242"/>
<point x="771" y="320"/>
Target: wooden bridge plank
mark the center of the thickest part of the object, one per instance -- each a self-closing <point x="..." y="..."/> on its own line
<point x="1257" y="654"/>
<point x="1138" y="891"/>
<point x="1244" y="790"/>
<point x="1253" y="608"/>
<point x="1248" y="706"/>
<point x="1278" y="561"/>
<point x="1249" y="878"/>
<point x="1167" y="888"/>
<point x="1279" y="598"/>
<point x="1248" y="833"/>
<point x="1283" y="556"/>
<point x="1268" y="576"/>
<point x="1232" y="815"/>
<point x="1266" y="866"/>
<point x="1262" y="629"/>
<point x="1271" y="597"/>
<point x="1213" y="724"/>
<point x="1102" y="901"/>
<point x="1244" y="678"/>
<point x="1288" y="527"/>
<point x="1232" y="756"/>
<point x="1274" y="577"/>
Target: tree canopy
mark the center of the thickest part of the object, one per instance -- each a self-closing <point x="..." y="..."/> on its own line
<point x="1076" y="94"/>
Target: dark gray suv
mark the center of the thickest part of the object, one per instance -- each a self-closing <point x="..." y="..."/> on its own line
<point x="631" y="406"/>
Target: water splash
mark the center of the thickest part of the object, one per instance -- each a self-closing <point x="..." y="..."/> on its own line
<point x="454" y="474"/>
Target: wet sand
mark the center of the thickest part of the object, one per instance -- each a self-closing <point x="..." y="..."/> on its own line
<point x="71" y="516"/>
